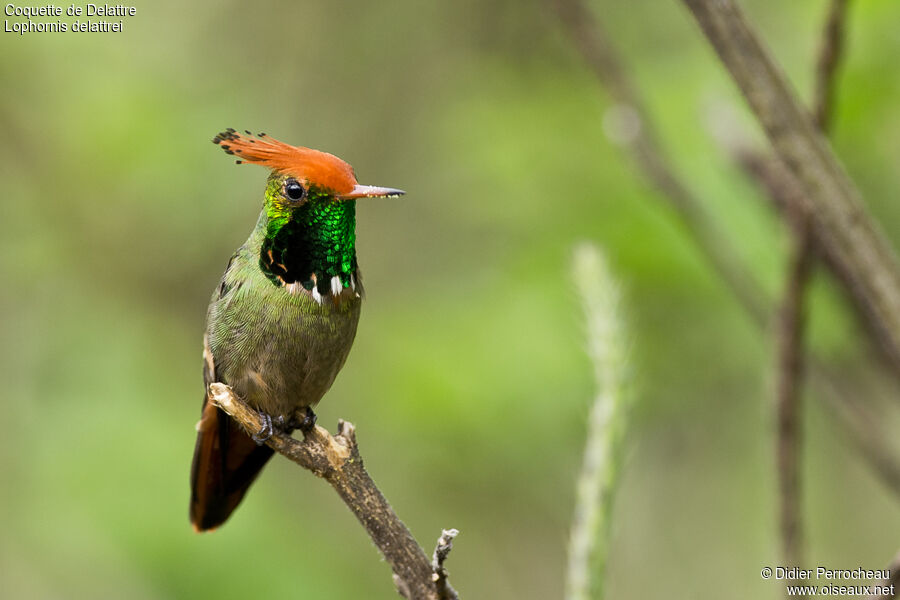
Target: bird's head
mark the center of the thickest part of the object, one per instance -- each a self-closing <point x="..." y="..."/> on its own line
<point x="310" y="210"/>
<point x="299" y="175"/>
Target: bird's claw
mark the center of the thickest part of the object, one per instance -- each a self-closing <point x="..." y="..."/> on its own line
<point x="266" y="430"/>
<point x="306" y="423"/>
<point x="272" y="424"/>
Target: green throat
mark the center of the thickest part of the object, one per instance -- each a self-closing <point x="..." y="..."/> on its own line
<point x="311" y="243"/>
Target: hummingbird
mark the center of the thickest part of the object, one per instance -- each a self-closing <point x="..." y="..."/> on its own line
<point x="282" y="319"/>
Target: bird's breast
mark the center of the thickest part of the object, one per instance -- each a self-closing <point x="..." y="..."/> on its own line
<point x="281" y="349"/>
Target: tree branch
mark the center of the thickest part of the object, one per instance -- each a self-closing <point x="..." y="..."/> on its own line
<point x="866" y="431"/>
<point x="830" y="51"/>
<point x="646" y="151"/>
<point x="789" y="371"/>
<point x="782" y="187"/>
<point x="863" y="429"/>
<point x="846" y="232"/>
<point x="791" y="320"/>
<point x="440" y="575"/>
<point x="337" y="460"/>
<point x="786" y="194"/>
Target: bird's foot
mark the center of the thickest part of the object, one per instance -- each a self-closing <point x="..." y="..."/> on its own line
<point x="306" y="422"/>
<point x="266" y="431"/>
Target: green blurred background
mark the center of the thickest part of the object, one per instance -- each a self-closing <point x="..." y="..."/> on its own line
<point x="468" y="381"/>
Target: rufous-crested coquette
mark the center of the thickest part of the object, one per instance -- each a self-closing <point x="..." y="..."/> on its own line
<point x="281" y="321"/>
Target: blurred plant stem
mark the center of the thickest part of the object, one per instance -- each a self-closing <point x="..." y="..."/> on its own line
<point x="638" y="134"/>
<point x="830" y="52"/>
<point x="861" y="422"/>
<point x="846" y="232"/>
<point x="791" y="326"/>
<point x="607" y="423"/>
<point x="863" y="428"/>
<point x="789" y="336"/>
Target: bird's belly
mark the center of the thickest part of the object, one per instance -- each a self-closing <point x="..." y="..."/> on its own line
<point x="291" y="356"/>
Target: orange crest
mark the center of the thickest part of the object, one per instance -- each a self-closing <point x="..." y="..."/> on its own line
<point x="308" y="165"/>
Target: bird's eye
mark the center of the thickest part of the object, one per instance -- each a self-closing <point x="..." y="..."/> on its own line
<point x="293" y="190"/>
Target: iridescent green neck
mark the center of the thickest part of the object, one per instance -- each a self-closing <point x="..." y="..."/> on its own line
<point x="312" y="242"/>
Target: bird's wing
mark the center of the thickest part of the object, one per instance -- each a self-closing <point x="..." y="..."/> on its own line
<point x="226" y="459"/>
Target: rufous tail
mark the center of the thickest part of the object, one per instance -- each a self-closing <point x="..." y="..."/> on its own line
<point x="226" y="461"/>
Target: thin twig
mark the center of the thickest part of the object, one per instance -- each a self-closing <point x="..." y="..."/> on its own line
<point x="337" y="460"/>
<point x="789" y="336"/>
<point x="791" y="320"/>
<point x="786" y="194"/>
<point x="642" y="141"/>
<point x="830" y="51"/>
<point x="864" y="431"/>
<point x="890" y="585"/>
<point x="597" y="482"/>
<point x="845" y="230"/>
<point x="440" y="575"/>
<point x="779" y="182"/>
<point x="782" y="187"/>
